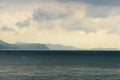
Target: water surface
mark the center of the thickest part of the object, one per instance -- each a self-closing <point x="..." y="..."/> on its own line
<point x="59" y="65"/>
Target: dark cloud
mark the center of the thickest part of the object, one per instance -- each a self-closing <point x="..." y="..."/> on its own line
<point x="25" y="23"/>
<point x="96" y="2"/>
<point x="98" y="12"/>
<point x="79" y="27"/>
<point x="5" y="28"/>
<point x="40" y="15"/>
<point x="45" y="15"/>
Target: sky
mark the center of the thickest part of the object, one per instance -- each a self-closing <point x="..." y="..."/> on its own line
<point x="78" y="23"/>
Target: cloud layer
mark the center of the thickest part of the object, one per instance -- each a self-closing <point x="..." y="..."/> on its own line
<point x="96" y="2"/>
<point x="79" y="23"/>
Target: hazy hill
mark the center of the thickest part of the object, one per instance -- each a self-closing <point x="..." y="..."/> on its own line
<point x="61" y="47"/>
<point x="105" y="49"/>
<point x="25" y="46"/>
<point x="34" y="46"/>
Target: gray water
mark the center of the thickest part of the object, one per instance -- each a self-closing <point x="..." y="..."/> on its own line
<point x="59" y="67"/>
<point x="28" y="72"/>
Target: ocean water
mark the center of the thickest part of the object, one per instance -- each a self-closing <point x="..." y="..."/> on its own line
<point x="59" y="65"/>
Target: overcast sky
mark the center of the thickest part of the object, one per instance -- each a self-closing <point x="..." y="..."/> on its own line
<point x="78" y="23"/>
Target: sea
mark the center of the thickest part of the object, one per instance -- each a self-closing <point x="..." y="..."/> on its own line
<point x="59" y="65"/>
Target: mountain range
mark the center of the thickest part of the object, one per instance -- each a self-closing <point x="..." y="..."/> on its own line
<point x="22" y="46"/>
<point x="33" y="46"/>
<point x="37" y="46"/>
<point x="61" y="47"/>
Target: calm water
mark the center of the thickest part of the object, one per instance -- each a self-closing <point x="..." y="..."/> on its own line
<point x="53" y="65"/>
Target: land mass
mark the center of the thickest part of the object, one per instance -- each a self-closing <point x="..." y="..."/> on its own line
<point x="22" y="46"/>
<point x="33" y="46"/>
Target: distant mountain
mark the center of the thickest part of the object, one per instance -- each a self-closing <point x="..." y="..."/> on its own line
<point x="61" y="47"/>
<point x="33" y="46"/>
<point x="37" y="46"/>
<point x="105" y="49"/>
<point x="22" y="46"/>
